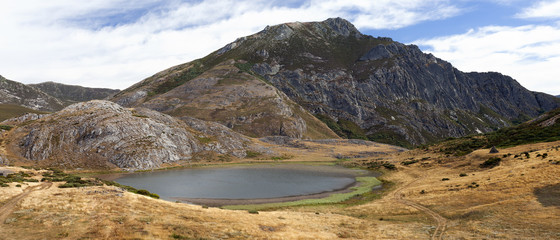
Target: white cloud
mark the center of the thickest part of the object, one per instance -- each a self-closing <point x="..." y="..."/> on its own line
<point x="116" y="43"/>
<point x="530" y="54"/>
<point x="542" y="9"/>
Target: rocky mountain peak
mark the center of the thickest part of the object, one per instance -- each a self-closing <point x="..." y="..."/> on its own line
<point x="360" y="86"/>
<point x="342" y="27"/>
<point x="331" y="27"/>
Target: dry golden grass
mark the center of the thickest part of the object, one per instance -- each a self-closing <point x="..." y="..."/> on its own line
<point x="503" y="206"/>
<point x="318" y="151"/>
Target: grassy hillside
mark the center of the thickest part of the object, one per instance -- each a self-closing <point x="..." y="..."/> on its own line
<point x="545" y="128"/>
<point x="11" y="110"/>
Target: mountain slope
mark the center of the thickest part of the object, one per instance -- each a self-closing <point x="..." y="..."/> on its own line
<point x="12" y="92"/>
<point x="545" y="128"/>
<point x="226" y="94"/>
<point x="72" y="93"/>
<point x="8" y="111"/>
<point x="361" y="86"/>
<point x="102" y="134"/>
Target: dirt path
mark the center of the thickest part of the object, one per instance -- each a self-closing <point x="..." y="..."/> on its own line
<point x="9" y="206"/>
<point x="441" y="221"/>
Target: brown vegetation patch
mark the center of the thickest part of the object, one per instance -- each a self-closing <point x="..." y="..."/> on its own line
<point x="549" y="195"/>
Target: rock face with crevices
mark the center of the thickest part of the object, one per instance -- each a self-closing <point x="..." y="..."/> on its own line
<point x="360" y="86"/>
<point x="103" y="134"/>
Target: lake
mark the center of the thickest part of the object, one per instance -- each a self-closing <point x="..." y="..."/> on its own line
<point x="243" y="182"/>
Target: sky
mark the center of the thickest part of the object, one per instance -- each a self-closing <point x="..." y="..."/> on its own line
<point x="116" y="43"/>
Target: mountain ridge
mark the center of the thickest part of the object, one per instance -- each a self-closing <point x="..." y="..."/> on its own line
<point x="17" y="98"/>
<point x="74" y="93"/>
<point x="12" y="92"/>
<point x="362" y="86"/>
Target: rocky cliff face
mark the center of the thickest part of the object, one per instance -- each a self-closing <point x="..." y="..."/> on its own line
<point x="12" y="92"/>
<point x="229" y="94"/>
<point x="72" y="94"/>
<point x="102" y="134"/>
<point x="361" y="86"/>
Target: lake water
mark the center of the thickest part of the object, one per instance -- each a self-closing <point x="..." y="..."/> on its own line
<point x="247" y="182"/>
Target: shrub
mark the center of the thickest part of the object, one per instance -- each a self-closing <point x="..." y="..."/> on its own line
<point x="491" y="162"/>
<point x="378" y="164"/>
<point x="473" y="185"/>
<point x="406" y="163"/>
<point x="147" y="193"/>
<point x="6" y="127"/>
<point x="71" y="185"/>
<point x="72" y="181"/>
<point x="244" y="67"/>
<point x="462" y="175"/>
<point x="389" y="166"/>
<point x="252" y="154"/>
<point x="16" y="177"/>
<point x="130" y="189"/>
<point x="253" y="212"/>
<point x="445" y="179"/>
<point x="143" y="192"/>
<point x="177" y="236"/>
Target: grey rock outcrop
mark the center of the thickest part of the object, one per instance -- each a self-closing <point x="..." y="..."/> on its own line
<point x="378" y="52"/>
<point x="104" y="134"/>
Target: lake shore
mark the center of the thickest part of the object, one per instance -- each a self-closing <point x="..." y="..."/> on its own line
<point x="213" y="202"/>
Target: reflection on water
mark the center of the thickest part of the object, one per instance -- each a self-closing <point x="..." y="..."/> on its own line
<point x="242" y="182"/>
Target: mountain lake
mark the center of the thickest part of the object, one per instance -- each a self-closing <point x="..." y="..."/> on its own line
<point x="262" y="181"/>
